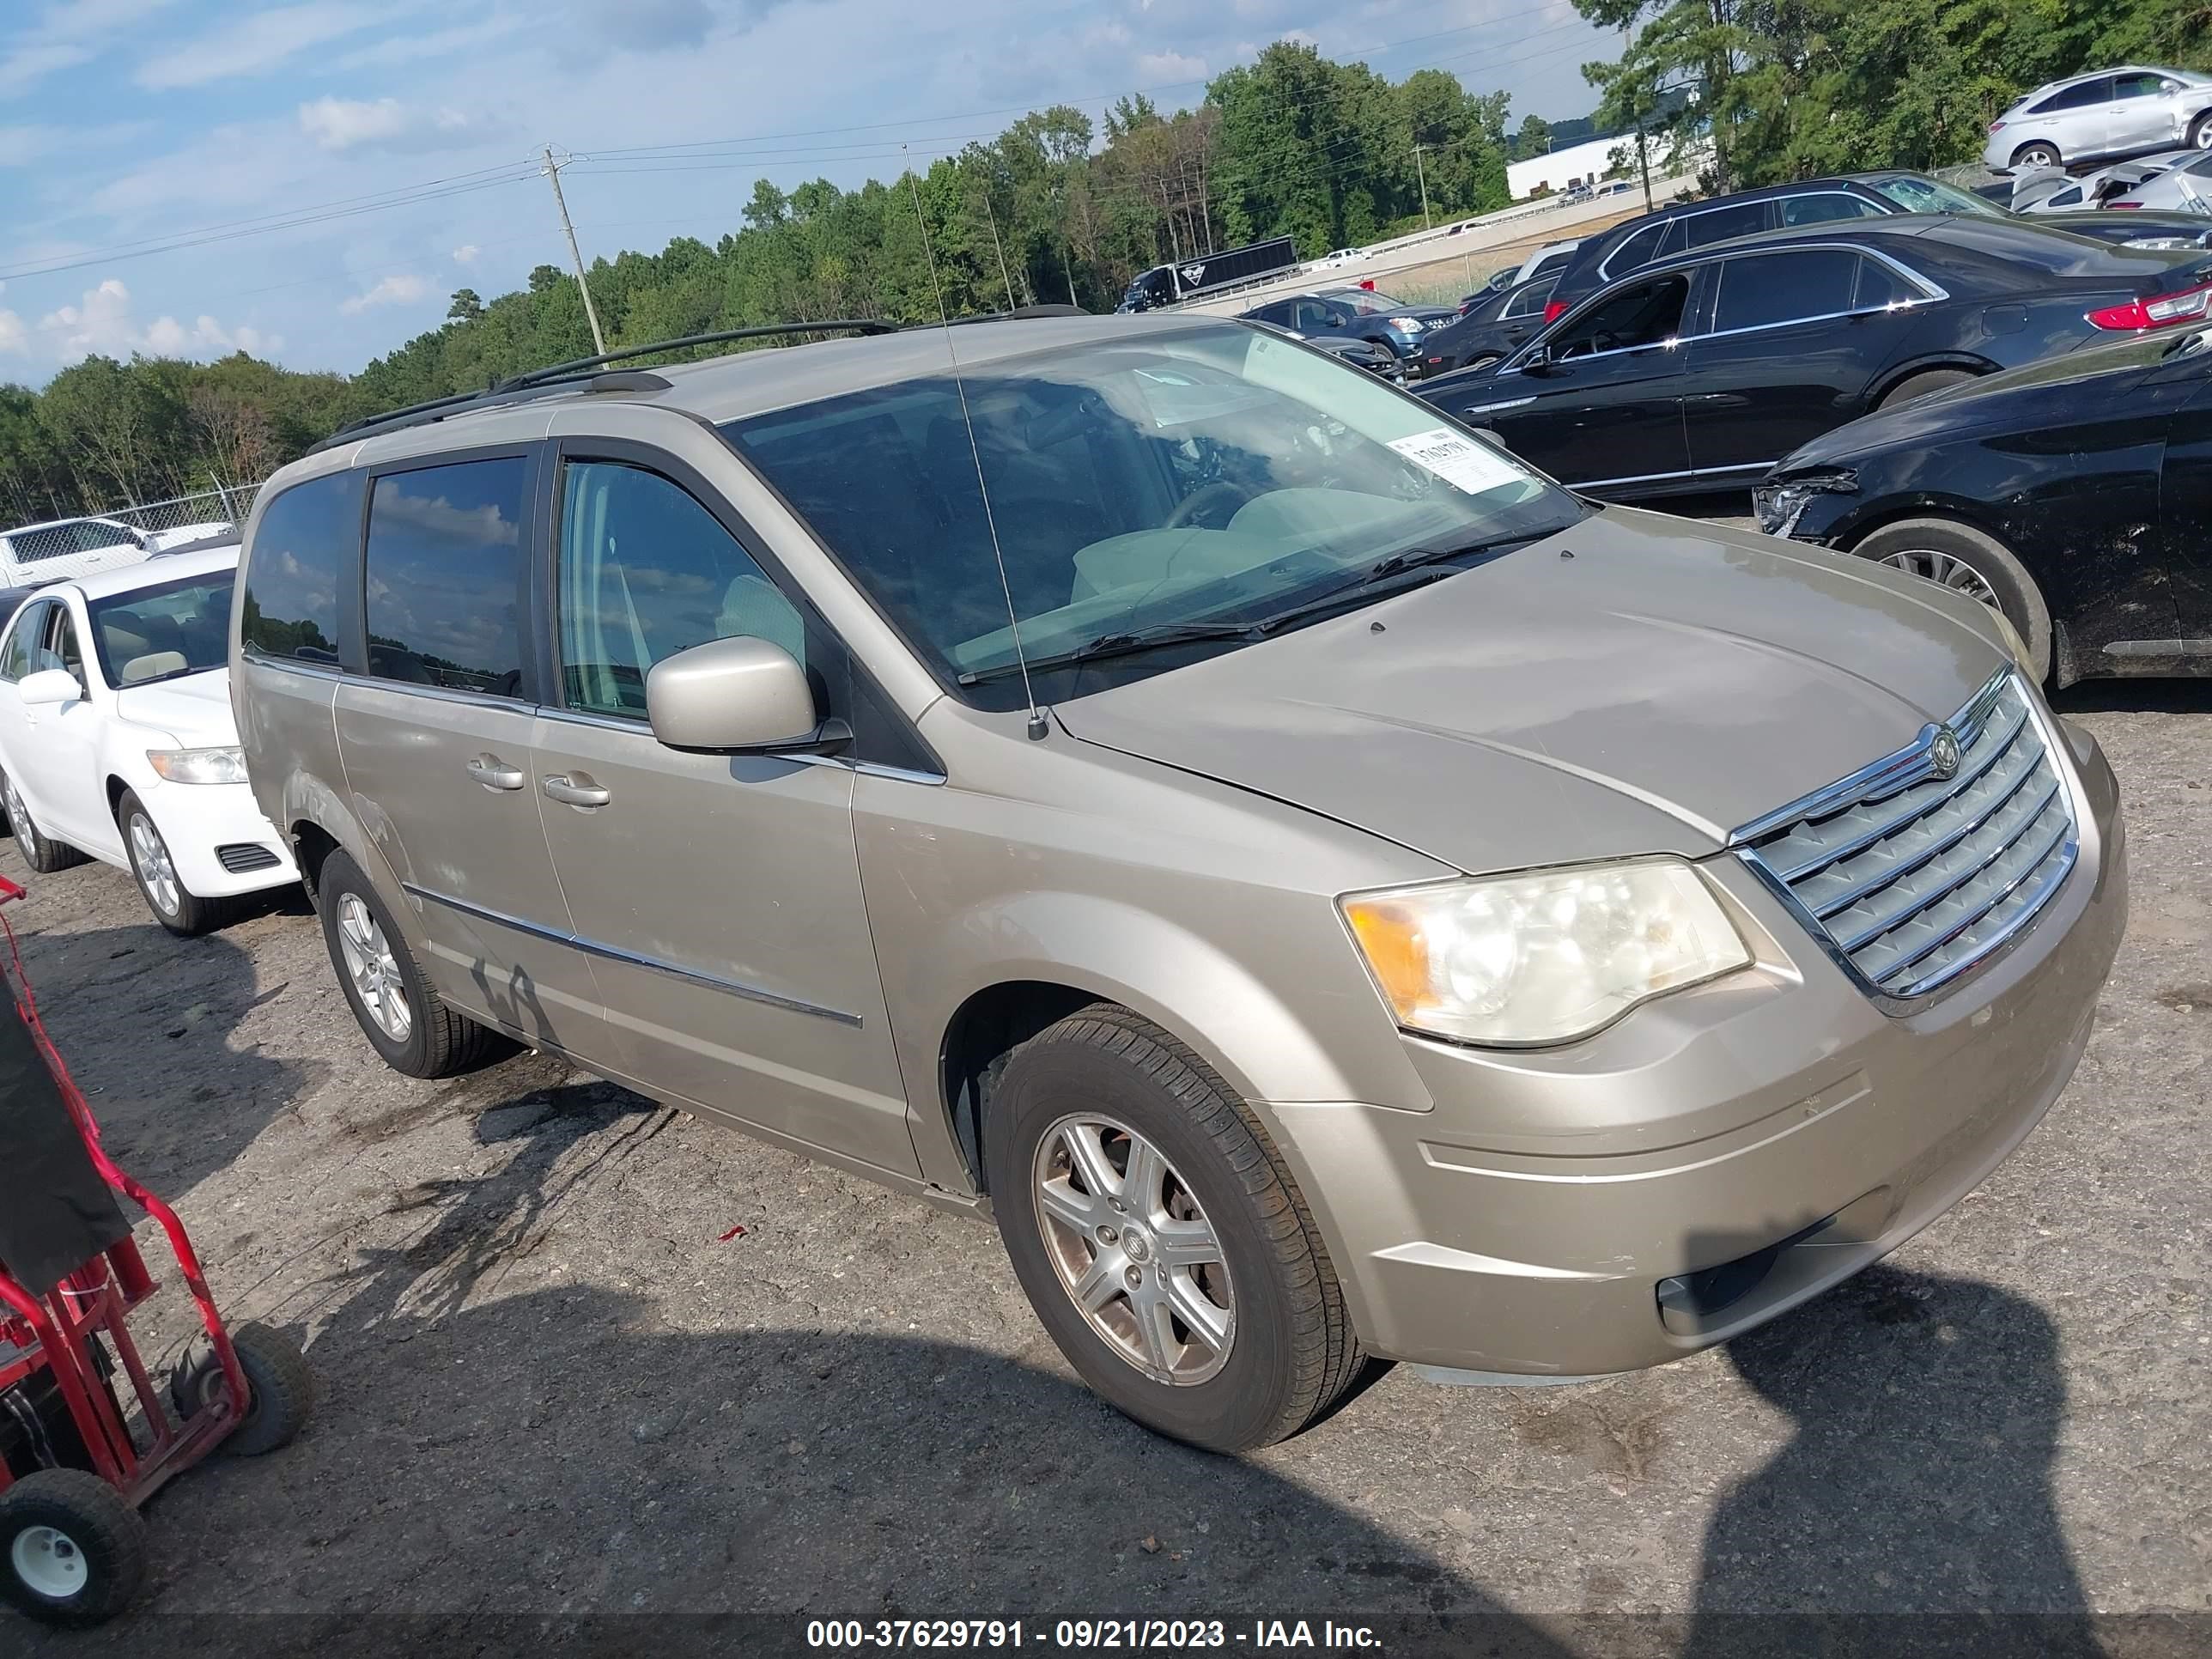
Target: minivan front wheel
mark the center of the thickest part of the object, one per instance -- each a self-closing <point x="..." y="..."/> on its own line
<point x="1161" y="1239"/>
<point x="406" y="1021"/>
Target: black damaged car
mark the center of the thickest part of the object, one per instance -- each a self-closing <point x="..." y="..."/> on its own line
<point x="2072" y="497"/>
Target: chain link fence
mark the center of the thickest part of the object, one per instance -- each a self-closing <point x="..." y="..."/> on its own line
<point x="208" y="506"/>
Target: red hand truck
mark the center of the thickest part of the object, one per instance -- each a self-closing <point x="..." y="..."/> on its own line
<point x="75" y="1463"/>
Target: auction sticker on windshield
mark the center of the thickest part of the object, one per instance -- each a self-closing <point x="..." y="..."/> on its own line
<point x="1458" y="459"/>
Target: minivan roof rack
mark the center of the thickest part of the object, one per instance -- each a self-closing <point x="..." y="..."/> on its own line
<point x="543" y="381"/>
<point x="765" y="330"/>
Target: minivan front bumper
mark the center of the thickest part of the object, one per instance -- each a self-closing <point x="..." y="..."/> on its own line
<point x="1719" y="1158"/>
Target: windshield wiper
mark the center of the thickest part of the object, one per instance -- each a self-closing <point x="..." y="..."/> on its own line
<point x="1385" y="576"/>
<point x="1125" y="643"/>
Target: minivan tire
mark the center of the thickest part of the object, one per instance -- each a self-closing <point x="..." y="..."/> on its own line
<point x="1920" y="384"/>
<point x="438" y="1041"/>
<point x="2037" y="155"/>
<point x="1291" y="1351"/>
<point x="1907" y="543"/>
<point x="44" y="855"/>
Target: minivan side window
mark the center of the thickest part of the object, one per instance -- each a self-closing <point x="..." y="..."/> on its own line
<point x="1722" y="224"/>
<point x="444" y="571"/>
<point x="1759" y="290"/>
<point x="303" y="551"/>
<point x="646" y="572"/>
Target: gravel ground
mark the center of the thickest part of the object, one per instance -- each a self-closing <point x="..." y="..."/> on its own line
<point x="557" y="1384"/>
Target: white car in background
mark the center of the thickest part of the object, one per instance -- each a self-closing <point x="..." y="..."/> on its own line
<point x="34" y="554"/>
<point x="117" y="740"/>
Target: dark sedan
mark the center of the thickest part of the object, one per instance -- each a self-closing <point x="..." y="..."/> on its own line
<point x="1684" y="227"/>
<point x="1360" y="354"/>
<point x="1489" y="331"/>
<point x="1357" y="313"/>
<point x="2072" y="495"/>
<point x="1698" y="374"/>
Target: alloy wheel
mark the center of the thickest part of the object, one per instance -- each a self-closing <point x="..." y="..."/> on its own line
<point x="48" y="1562"/>
<point x="1946" y="569"/>
<point x="373" y="968"/>
<point x="1135" y="1250"/>
<point x="149" y="855"/>
<point x="19" y="823"/>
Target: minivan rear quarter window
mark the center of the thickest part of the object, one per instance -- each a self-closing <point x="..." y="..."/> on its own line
<point x="305" y="537"/>
<point x="444" y="572"/>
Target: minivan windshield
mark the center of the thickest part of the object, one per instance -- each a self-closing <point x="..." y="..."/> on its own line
<point x="160" y="633"/>
<point x="1196" y="488"/>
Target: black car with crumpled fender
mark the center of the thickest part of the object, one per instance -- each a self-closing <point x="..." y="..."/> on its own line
<point x="2071" y="496"/>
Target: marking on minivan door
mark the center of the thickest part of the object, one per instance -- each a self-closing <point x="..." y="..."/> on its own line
<point x="593" y="947"/>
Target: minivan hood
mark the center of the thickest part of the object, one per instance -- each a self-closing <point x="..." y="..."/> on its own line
<point x="1638" y="683"/>
<point x="194" y="709"/>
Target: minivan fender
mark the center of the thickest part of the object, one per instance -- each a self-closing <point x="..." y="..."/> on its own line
<point x="1109" y="950"/>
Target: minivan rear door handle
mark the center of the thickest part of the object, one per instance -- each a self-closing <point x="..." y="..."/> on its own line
<point x="493" y="773"/>
<point x="576" y="789"/>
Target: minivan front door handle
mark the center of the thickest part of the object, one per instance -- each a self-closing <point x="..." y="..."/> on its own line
<point x="493" y="773"/>
<point x="576" y="789"/>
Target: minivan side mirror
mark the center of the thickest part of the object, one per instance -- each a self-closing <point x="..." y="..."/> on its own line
<point x="742" y="695"/>
<point x="49" y="688"/>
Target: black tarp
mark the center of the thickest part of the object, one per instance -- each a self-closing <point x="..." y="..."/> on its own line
<point x="56" y="1214"/>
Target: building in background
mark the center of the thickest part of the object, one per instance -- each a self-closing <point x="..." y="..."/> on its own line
<point x="1563" y="169"/>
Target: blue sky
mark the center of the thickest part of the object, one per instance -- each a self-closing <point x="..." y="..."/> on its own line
<point x="381" y="151"/>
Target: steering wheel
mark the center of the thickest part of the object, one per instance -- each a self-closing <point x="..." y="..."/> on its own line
<point x="1202" y="500"/>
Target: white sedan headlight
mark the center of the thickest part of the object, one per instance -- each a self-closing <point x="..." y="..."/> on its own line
<point x="1515" y="961"/>
<point x="199" y="765"/>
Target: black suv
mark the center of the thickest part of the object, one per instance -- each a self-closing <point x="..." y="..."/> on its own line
<point x="1358" y="313"/>
<point x="1687" y="226"/>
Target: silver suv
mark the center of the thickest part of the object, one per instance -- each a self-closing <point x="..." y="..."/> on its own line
<point x="1330" y="893"/>
<point x="2128" y="111"/>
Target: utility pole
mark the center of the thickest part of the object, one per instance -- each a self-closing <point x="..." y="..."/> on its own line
<point x="1644" y="165"/>
<point x="1421" y="173"/>
<point x="552" y="171"/>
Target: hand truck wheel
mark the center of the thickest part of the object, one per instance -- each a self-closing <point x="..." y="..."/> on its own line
<point x="280" y="1389"/>
<point x="72" y="1552"/>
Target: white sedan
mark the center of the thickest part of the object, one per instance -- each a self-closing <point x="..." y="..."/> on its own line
<point x="117" y="740"/>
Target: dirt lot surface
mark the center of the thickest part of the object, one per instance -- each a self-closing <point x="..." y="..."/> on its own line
<point x="558" y="1384"/>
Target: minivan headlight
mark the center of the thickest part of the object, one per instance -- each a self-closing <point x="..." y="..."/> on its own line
<point x="1517" y="961"/>
<point x="199" y="765"/>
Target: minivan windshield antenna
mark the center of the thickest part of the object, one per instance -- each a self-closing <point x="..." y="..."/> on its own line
<point x="1038" y="725"/>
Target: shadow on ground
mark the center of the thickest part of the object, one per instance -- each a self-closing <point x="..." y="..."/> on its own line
<point x="569" y="1468"/>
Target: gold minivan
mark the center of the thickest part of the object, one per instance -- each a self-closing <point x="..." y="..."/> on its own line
<point x="1331" y="894"/>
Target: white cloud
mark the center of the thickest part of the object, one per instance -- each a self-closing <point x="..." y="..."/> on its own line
<point x="253" y="44"/>
<point x="398" y="289"/>
<point x="445" y="44"/>
<point x="1171" y="68"/>
<point x="342" y="123"/>
<point x="465" y="254"/>
<point x="15" y="338"/>
<point x="102" y="323"/>
<point x="68" y="33"/>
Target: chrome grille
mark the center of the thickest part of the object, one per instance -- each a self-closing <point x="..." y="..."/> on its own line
<point x="1910" y="878"/>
